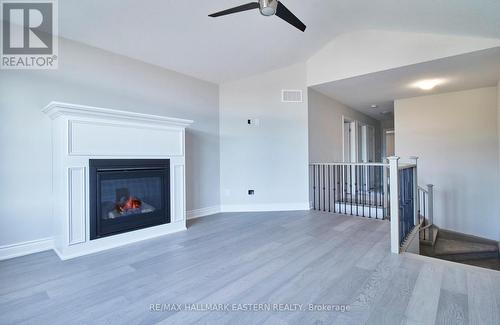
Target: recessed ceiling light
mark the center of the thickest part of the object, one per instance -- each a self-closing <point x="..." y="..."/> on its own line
<point x="428" y="84"/>
<point x="374" y="106"/>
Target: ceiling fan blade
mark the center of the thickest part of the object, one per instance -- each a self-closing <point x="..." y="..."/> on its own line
<point x="290" y="18"/>
<point x="245" y="7"/>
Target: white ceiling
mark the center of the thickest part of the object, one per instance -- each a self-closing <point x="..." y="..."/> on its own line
<point x="178" y="34"/>
<point x="466" y="71"/>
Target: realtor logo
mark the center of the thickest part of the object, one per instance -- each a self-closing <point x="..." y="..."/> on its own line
<point x="28" y="34"/>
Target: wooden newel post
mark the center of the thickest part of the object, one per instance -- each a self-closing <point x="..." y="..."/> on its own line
<point x="394" y="201"/>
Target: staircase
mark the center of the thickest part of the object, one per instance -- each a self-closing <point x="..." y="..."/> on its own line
<point x="461" y="248"/>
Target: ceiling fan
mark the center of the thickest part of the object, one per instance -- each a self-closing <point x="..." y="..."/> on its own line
<point x="267" y="8"/>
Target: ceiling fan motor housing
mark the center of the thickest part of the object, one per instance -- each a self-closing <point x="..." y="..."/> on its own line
<point x="268" y="7"/>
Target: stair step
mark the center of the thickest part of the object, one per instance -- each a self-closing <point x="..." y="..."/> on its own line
<point x="448" y="234"/>
<point x="466" y="249"/>
<point x="460" y="250"/>
<point x="468" y="257"/>
<point x="491" y="263"/>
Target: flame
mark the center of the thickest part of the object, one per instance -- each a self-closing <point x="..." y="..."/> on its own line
<point x="131" y="203"/>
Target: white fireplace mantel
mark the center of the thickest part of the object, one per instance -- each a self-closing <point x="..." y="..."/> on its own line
<point x="80" y="133"/>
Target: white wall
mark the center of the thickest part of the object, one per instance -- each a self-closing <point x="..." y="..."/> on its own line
<point x="363" y="52"/>
<point x="456" y="137"/>
<point x="325" y="127"/>
<point x="94" y="77"/>
<point x="498" y="120"/>
<point x="271" y="159"/>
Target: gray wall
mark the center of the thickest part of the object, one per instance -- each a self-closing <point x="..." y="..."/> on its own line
<point x="325" y="127"/>
<point x="94" y="77"/>
<point x="387" y="124"/>
<point x="271" y="158"/>
<point x="456" y="137"/>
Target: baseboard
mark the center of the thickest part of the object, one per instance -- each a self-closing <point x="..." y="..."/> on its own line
<point x="26" y="248"/>
<point x="265" y="207"/>
<point x="203" y="212"/>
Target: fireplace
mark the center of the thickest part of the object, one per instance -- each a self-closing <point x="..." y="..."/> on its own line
<point x="128" y="194"/>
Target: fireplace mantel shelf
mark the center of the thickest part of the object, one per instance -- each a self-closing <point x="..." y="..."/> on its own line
<point x="55" y="109"/>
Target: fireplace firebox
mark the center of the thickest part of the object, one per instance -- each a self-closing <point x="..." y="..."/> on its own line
<point x="128" y="194"/>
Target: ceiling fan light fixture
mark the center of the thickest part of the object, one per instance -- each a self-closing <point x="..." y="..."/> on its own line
<point x="268" y="7"/>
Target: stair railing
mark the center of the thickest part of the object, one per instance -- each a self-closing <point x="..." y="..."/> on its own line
<point x="358" y="189"/>
<point x="426" y="211"/>
<point x="370" y="190"/>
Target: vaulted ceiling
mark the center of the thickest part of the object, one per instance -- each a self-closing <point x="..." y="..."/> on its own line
<point x="179" y="35"/>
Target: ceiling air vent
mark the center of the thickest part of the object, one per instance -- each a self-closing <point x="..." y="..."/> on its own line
<point x="291" y="96"/>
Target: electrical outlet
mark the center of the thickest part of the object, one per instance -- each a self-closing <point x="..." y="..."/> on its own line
<point x="253" y="122"/>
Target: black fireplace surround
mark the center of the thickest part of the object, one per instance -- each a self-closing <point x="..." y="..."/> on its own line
<point x="128" y="194"/>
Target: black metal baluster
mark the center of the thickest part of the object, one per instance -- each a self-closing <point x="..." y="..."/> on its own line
<point x="324" y="192"/>
<point x="334" y="188"/>
<point x="369" y="193"/>
<point x="341" y="184"/>
<point x="341" y="171"/>
<point x="339" y="189"/>
<point x="363" y="193"/>
<point x="356" y="188"/>
<point x="347" y="183"/>
<point x="345" y="189"/>
<point x="314" y="186"/>
<point x="329" y="191"/>
<point x="319" y="188"/>
<point x="350" y="186"/>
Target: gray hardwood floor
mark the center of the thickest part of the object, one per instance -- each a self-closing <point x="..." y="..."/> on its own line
<point x="286" y="258"/>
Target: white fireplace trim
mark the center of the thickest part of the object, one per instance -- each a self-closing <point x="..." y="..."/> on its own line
<point x="81" y="133"/>
<point x="55" y="109"/>
<point x="77" y="219"/>
<point x="77" y="130"/>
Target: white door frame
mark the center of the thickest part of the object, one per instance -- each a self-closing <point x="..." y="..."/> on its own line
<point x="370" y="143"/>
<point x="384" y="140"/>
<point x="353" y="140"/>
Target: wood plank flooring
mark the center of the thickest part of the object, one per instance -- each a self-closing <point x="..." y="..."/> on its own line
<point x="267" y="258"/>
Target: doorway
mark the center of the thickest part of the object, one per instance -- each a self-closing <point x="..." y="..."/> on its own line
<point x="358" y="141"/>
<point x="367" y="144"/>
<point x="389" y="143"/>
<point x="349" y="140"/>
